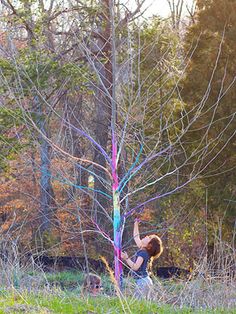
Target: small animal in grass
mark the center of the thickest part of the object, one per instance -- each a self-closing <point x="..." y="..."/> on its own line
<point x="92" y="285"/>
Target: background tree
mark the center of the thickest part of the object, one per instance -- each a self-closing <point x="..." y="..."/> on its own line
<point x="39" y="80"/>
<point x="210" y="82"/>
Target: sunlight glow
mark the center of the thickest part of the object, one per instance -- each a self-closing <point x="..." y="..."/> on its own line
<point x="160" y="7"/>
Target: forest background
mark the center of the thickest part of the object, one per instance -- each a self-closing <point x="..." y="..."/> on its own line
<point x="73" y="74"/>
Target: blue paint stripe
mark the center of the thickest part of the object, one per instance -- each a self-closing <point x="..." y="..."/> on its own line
<point x="81" y="187"/>
<point x="121" y="185"/>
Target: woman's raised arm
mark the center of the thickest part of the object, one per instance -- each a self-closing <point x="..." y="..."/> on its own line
<point x="136" y="234"/>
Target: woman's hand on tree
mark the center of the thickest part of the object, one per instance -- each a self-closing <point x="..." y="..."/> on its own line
<point x="124" y="255"/>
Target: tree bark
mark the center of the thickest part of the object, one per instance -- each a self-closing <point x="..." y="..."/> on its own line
<point x="103" y="108"/>
<point x="47" y="196"/>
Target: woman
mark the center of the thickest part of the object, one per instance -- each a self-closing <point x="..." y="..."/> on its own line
<point x="150" y="247"/>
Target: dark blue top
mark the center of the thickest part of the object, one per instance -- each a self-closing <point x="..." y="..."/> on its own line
<point x="142" y="271"/>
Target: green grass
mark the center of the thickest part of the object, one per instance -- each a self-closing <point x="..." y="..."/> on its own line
<point x="65" y="279"/>
<point x="44" y="293"/>
<point x="58" y="301"/>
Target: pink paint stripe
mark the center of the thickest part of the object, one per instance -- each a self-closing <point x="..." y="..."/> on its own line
<point x="114" y="165"/>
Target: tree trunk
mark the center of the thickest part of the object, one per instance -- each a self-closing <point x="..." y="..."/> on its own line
<point x="103" y="109"/>
<point x="47" y="196"/>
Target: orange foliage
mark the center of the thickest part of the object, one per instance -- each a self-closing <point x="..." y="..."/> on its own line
<point x="20" y="205"/>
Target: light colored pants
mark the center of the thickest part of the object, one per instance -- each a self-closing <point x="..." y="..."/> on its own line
<point x="143" y="288"/>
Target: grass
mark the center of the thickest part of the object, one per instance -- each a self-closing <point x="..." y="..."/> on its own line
<point x="58" y="301"/>
<point x="65" y="279"/>
<point x="45" y="293"/>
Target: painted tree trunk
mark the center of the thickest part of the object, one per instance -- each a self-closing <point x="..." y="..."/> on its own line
<point x="105" y="128"/>
<point x="117" y="226"/>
